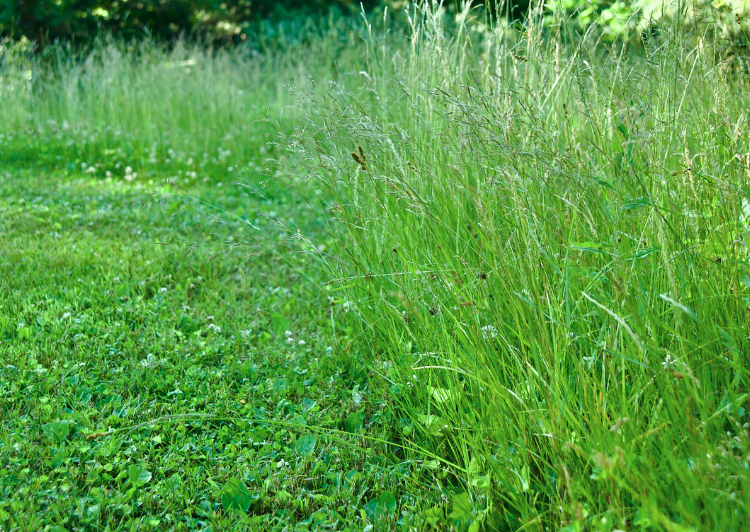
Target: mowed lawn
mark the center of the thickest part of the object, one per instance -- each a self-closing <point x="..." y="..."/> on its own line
<point x="167" y="357"/>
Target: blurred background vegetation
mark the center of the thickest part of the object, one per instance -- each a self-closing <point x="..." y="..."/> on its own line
<point x="232" y="22"/>
<point x="219" y="21"/>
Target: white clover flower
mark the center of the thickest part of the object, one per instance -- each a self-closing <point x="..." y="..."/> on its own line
<point x="489" y="332"/>
<point x="288" y="334"/>
<point x="301" y="342"/>
<point x="163" y="290"/>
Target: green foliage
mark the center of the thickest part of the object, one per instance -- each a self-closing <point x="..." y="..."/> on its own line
<point x="57" y="431"/>
<point x="80" y="21"/>
<point x="138" y="376"/>
<point x="727" y="21"/>
<point x="246" y="21"/>
<point x="306" y="445"/>
<point x="521" y="304"/>
<point x="353" y="422"/>
<point x="139" y="475"/>
<point x="236" y="496"/>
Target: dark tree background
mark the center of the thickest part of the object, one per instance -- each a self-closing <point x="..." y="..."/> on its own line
<point x="44" y="21"/>
<point x="234" y="21"/>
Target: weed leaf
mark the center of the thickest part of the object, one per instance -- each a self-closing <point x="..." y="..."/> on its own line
<point x="306" y="445"/>
<point x="138" y="475"/>
<point x="236" y="496"/>
<point x="57" y="431"/>
<point x="353" y="422"/>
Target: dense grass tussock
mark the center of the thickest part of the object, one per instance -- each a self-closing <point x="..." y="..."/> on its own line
<point x="541" y="242"/>
<point x="546" y="249"/>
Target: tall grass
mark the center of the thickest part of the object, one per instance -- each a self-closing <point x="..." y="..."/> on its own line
<point x="142" y="104"/>
<point x="545" y="247"/>
<point x="542" y="243"/>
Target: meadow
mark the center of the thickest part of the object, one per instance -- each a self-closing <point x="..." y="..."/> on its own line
<point x="421" y="273"/>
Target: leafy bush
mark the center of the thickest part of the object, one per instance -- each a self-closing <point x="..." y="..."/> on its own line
<point x="80" y="21"/>
<point x="722" y="24"/>
<point x="725" y="20"/>
<point x="236" y="21"/>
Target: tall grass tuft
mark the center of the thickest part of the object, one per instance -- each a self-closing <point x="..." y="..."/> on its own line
<point x="145" y="104"/>
<point x="545" y="246"/>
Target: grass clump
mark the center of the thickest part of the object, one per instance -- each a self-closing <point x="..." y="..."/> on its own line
<point x="546" y="252"/>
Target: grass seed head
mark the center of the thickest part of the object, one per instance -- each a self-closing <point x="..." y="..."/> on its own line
<point x="359" y="158"/>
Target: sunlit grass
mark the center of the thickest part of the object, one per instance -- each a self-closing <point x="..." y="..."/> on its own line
<point x="138" y="105"/>
<point x="540" y="243"/>
<point x="545" y="247"/>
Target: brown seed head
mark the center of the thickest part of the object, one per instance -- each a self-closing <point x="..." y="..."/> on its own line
<point x="359" y="159"/>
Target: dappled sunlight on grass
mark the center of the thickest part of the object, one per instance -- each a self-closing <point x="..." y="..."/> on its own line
<point x="115" y="314"/>
<point x="474" y="278"/>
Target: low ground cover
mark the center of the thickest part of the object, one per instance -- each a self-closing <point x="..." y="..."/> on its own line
<point x="147" y="385"/>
